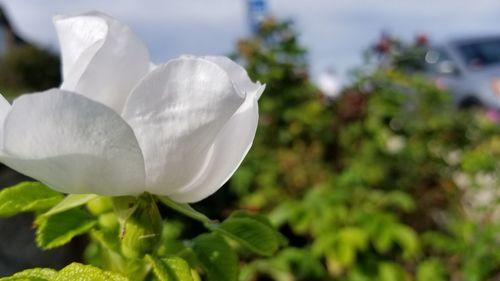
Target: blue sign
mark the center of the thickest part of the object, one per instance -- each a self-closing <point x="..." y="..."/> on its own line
<point x="257" y="12"/>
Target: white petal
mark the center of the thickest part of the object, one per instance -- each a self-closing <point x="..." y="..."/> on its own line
<point x="102" y="58"/>
<point x="176" y="112"/>
<point x="238" y="74"/>
<point x="4" y="108"/>
<point x="77" y="34"/>
<point x="228" y="151"/>
<point x="72" y="144"/>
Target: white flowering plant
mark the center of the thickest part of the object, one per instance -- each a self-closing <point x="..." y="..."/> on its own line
<point x="121" y="135"/>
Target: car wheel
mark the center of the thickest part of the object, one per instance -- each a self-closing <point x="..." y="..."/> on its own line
<point x="470" y="102"/>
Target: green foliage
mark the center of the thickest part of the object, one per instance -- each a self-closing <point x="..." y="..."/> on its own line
<point x="289" y="264"/>
<point x="27" y="197"/>
<point x="370" y="186"/>
<point x="431" y="269"/>
<point x="27" y="69"/>
<point x="476" y="243"/>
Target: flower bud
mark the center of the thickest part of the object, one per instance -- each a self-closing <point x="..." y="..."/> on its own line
<point x="141" y="231"/>
<point x="108" y="221"/>
<point x="100" y="205"/>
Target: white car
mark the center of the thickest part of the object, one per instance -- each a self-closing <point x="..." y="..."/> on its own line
<point x="469" y="68"/>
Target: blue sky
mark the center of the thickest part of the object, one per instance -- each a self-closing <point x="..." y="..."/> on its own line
<point x="334" y="31"/>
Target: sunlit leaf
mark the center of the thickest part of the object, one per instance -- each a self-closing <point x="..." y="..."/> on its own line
<point x="74" y="272"/>
<point x="26" y="197"/>
<point x="80" y="272"/>
<point x="35" y="274"/>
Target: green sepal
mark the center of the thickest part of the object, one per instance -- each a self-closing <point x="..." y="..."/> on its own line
<point x="141" y="230"/>
<point x="185" y="209"/>
<point x="71" y="201"/>
<point x="124" y="206"/>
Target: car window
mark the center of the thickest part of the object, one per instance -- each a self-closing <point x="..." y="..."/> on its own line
<point x="480" y="53"/>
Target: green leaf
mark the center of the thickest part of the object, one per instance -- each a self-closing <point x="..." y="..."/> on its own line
<point x="59" y="229"/>
<point x="26" y="197"/>
<point x="263" y="219"/>
<point x="80" y="272"/>
<point x="255" y="233"/>
<point x="35" y="274"/>
<point x="71" y="201"/>
<point x="170" y="269"/>
<point x="185" y="209"/>
<point x="217" y="258"/>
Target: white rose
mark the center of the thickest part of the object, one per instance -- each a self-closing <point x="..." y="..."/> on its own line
<point x="119" y="125"/>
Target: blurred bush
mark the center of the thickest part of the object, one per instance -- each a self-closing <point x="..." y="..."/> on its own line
<point x="381" y="184"/>
<point x="27" y="68"/>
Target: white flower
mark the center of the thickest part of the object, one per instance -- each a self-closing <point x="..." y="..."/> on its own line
<point x="119" y="125"/>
